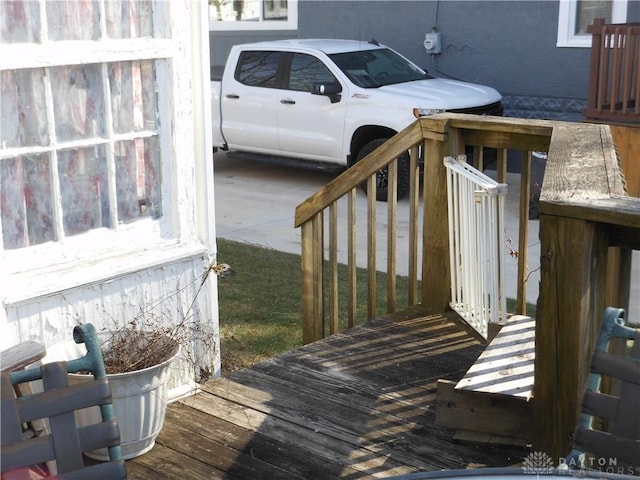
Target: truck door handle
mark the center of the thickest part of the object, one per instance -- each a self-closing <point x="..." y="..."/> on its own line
<point x="288" y="102"/>
<point x="232" y="95"/>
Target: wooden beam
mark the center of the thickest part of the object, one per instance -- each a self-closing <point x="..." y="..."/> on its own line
<point x="436" y="274"/>
<point x="571" y="302"/>
<point x="494" y="414"/>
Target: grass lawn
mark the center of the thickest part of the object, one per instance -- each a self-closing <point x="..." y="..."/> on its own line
<point x="260" y="306"/>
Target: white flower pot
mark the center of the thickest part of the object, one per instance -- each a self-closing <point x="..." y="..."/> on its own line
<point x="139" y="402"/>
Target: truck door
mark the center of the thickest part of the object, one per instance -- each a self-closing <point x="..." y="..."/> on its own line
<point x="309" y="126"/>
<point x="250" y="102"/>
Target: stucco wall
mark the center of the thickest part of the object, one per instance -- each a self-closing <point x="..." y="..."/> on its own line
<point x="509" y="45"/>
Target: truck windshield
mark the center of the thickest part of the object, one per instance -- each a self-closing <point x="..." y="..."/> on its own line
<point x="376" y="68"/>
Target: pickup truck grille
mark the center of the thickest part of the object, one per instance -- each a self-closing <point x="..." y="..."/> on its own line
<point x="495" y="109"/>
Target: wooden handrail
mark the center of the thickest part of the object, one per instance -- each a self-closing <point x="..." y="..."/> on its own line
<point x="358" y="173"/>
<point x="614" y="73"/>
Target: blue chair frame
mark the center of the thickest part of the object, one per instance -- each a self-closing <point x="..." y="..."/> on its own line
<point x="66" y="441"/>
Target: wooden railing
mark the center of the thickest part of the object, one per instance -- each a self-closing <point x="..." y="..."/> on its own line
<point x="311" y="214"/>
<point x="428" y="282"/>
<point x="588" y="228"/>
<point x="614" y="77"/>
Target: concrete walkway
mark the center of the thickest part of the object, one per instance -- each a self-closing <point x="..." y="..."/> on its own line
<point x="256" y="201"/>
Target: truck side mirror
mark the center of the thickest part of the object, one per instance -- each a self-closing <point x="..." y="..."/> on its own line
<point x="331" y="90"/>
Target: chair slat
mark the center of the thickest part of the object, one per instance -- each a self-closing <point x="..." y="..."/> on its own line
<point x="100" y="435"/>
<point x="600" y="405"/>
<point x="607" y="445"/>
<point x="64" y="429"/>
<point x="616" y="366"/>
<point x="73" y="397"/>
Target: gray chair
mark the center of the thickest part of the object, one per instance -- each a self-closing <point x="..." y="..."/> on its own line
<point x="609" y="427"/>
<point x="62" y="443"/>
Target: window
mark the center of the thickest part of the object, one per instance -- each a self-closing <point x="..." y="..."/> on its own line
<point x="258" y="69"/>
<point x="574" y="16"/>
<point x="253" y="14"/>
<point x="88" y="132"/>
<point x="307" y="70"/>
<point x="59" y="148"/>
<point x="377" y="67"/>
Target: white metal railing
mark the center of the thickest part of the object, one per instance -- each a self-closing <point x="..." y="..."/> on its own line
<point x="476" y="235"/>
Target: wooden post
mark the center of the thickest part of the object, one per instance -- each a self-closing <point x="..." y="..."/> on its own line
<point x="574" y="245"/>
<point x="312" y="297"/>
<point x="523" y="232"/>
<point x="572" y="298"/>
<point x="596" y="39"/>
<point x="436" y="274"/>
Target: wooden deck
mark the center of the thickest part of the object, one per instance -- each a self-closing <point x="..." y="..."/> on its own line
<point x="359" y="404"/>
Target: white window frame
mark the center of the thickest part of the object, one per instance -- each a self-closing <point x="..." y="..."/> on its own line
<point x="291" y="23"/>
<point x="567" y="22"/>
<point x="103" y="253"/>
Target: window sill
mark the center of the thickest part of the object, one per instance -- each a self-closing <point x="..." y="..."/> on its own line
<point x="28" y="286"/>
<point x="575" y="42"/>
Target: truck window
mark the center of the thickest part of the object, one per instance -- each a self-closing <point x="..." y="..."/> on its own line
<point x="376" y="68"/>
<point x="307" y="70"/>
<point x="258" y="68"/>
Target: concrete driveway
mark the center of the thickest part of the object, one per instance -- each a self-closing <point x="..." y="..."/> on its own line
<point x="256" y="201"/>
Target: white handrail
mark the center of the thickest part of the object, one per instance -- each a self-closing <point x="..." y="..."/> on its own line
<point x="476" y="236"/>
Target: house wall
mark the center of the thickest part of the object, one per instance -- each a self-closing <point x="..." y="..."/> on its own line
<point x="509" y="45"/>
<point x="162" y="296"/>
<point x="151" y="268"/>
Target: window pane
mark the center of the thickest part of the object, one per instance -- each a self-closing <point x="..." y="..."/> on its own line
<point x="275" y="10"/>
<point x="84" y="189"/>
<point x="258" y="69"/>
<point x="23" y="115"/>
<point x="306" y="70"/>
<point x="588" y="10"/>
<point x="138" y="179"/>
<point x="78" y="102"/>
<point x="250" y="10"/>
<point x="25" y="201"/>
<point x="129" y="18"/>
<point x="237" y="10"/>
<point x="19" y="21"/>
<point x="133" y="97"/>
<point x="73" y="19"/>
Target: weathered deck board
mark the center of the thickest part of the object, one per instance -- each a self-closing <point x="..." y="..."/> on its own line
<point x="360" y="404"/>
<point x="507" y="364"/>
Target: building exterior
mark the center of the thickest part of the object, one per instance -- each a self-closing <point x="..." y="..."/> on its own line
<point x="536" y="53"/>
<point x="106" y="175"/>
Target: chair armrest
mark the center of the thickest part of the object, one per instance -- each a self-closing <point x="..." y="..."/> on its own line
<point x="21" y="355"/>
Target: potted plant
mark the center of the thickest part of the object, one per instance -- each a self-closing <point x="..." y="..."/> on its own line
<point x="138" y="359"/>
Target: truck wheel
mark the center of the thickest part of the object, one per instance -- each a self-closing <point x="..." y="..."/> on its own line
<point x="382" y="176"/>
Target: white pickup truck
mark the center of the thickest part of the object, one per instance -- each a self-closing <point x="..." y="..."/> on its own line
<point x="330" y="101"/>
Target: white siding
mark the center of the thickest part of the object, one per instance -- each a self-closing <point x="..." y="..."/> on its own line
<point x="105" y="276"/>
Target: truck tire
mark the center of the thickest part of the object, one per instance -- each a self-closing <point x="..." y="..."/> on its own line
<point x="382" y="176"/>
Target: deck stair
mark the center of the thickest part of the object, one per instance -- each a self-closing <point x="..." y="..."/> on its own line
<point x="492" y="402"/>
